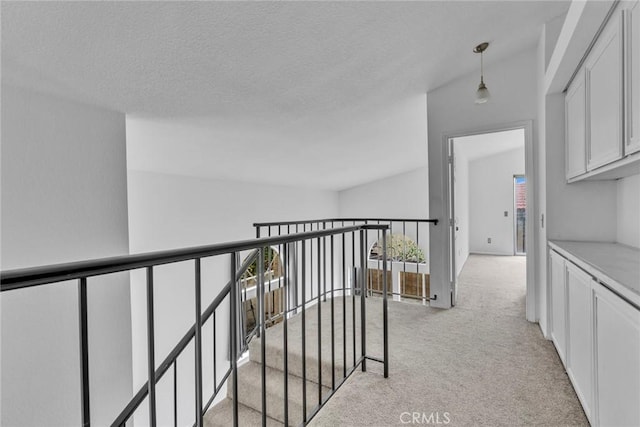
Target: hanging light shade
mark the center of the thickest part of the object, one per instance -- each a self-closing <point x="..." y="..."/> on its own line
<point x="482" y="94"/>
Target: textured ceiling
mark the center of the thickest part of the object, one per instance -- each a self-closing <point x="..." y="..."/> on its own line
<point x="341" y="83"/>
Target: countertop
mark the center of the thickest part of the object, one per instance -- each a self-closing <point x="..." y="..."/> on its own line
<point x="614" y="265"/>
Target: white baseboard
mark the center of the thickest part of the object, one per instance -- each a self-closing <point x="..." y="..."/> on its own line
<point x="490" y="253"/>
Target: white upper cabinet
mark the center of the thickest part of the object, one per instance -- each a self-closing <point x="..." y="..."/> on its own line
<point x="632" y="23"/>
<point x="575" y="110"/>
<point x="604" y="96"/>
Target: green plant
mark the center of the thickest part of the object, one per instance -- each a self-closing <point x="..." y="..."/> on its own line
<point x="399" y="248"/>
<point x="269" y="255"/>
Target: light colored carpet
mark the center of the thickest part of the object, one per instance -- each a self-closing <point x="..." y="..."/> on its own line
<point x="480" y="363"/>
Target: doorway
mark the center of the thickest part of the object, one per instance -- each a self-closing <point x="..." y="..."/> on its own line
<point x="492" y="228"/>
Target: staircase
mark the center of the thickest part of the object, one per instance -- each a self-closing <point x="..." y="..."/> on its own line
<point x="318" y="366"/>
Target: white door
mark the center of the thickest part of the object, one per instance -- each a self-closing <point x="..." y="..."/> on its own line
<point x="604" y="96"/>
<point x="579" y="335"/>
<point x="558" y="304"/>
<point x="453" y="279"/>
<point x="617" y="355"/>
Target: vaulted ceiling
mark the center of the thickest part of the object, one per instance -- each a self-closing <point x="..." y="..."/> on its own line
<point x="333" y="92"/>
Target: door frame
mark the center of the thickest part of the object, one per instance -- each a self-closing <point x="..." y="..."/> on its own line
<point x="530" y="175"/>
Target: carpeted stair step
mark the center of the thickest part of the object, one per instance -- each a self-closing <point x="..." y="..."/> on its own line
<point x="250" y="388"/>
<point x="221" y="415"/>
<point x="275" y="336"/>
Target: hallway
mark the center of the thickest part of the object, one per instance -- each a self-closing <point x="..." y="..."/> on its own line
<point x="480" y="363"/>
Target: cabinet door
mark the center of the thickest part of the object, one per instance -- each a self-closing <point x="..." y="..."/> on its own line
<point x="576" y="126"/>
<point x="604" y="96"/>
<point x="579" y="335"/>
<point x="617" y="360"/>
<point x="632" y="140"/>
<point x="558" y="304"/>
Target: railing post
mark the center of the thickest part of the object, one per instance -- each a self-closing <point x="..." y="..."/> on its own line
<point x="84" y="350"/>
<point x="151" y="349"/>
<point x="233" y="336"/>
<point x="198" y="342"/>
<point x="385" y="324"/>
<point x="285" y="335"/>
<point x="261" y="308"/>
<point x="363" y="308"/>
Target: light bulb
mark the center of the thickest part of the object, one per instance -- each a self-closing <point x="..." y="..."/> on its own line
<point x="482" y="94"/>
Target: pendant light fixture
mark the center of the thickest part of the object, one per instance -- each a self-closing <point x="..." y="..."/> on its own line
<point x="482" y="94"/>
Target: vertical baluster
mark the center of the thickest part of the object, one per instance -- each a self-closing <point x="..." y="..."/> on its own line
<point x="263" y="339"/>
<point x="215" y="379"/>
<point x="304" y="333"/>
<point x="378" y="262"/>
<point x="418" y="264"/>
<point x="399" y="293"/>
<point x="279" y="272"/>
<point x="198" y="342"/>
<point x="311" y="265"/>
<point x="151" y="349"/>
<point x="175" y="392"/>
<point x="333" y="333"/>
<point x="354" y="285"/>
<point x="324" y="263"/>
<point x="385" y="320"/>
<point x="354" y="281"/>
<point x="319" y="305"/>
<point x="404" y="257"/>
<point x="270" y="258"/>
<point x="344" y="306"/>
<point x="233" y="334"/>
<point x="363" y="317"/>
<point x="285" y="333"/>
<point x="84" y="350"/>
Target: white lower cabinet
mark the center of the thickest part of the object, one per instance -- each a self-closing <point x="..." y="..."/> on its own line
<point x="597" y="335"/>
<point x="579" y="336"/>
<point x="558" y="304"/>
<point x="617" y="360"/>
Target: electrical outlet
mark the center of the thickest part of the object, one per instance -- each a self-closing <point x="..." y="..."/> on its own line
<point x="506" y="213"/>
<point x="489" y="240"/>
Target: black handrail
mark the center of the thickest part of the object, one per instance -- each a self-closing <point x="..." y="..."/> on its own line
<point x="12" y="280"/>
<point x="276" y="223"/>
<point x="34" y="276"/>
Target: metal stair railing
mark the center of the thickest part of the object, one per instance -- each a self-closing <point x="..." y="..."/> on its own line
<point x="296" y="281"/>
<point x="403" y="266"/>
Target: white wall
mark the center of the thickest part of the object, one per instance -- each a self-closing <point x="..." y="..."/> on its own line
<point x="399" y="196"/>
<point x="63" y="199"/>
<point x="583" y="210"/>
<point x="628" y="208"/>
<point x="546" y="42"/>
<point x="461" y="191"/>
<point x="451" y="108"/>
<point x="490" y="194"/>
<point x="170" y="211"/>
